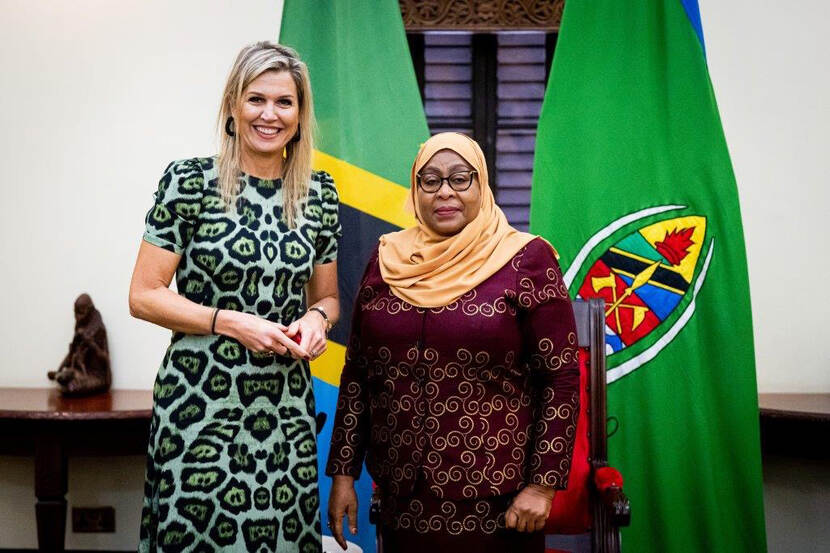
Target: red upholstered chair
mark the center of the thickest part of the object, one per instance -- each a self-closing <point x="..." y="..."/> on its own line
<point x="587" y="516"/>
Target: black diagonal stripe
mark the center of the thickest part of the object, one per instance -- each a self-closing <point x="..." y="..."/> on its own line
<point x="360" y="235"/>
<point x="634" y="266"/>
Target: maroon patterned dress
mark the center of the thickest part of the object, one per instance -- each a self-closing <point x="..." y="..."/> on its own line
<point x="456" y="408"/>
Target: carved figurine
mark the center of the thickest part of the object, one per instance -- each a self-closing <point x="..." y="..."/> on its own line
<point x="86" y="368"/>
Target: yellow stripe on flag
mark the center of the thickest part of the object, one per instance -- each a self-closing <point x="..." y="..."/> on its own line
<point x="329" y="365"/>
<point x="366" y="191"/>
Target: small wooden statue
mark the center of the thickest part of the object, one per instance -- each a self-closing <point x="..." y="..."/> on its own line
<point x="86" y="368"/>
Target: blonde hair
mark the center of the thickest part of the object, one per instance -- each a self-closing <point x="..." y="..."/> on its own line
<point x="253" y="61"/>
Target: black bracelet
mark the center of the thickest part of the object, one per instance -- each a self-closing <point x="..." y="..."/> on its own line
<point x="213" y="321"/>
<point x="325" y="317"/>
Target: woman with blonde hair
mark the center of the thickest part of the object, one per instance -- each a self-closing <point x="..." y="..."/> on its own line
<point x="251" y="235"/>
<point x="460" y="383"/>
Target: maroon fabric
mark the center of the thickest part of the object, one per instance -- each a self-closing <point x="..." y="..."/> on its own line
<point x="504" y="541"/>
<point x="478" y="397"/>
<point x="424" y="523"/>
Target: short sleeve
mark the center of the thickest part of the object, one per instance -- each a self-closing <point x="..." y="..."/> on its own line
<point x="171" y="221"/>
<point x="325" y="245"/>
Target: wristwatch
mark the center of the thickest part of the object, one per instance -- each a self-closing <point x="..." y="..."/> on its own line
<point x="322" y="313"/>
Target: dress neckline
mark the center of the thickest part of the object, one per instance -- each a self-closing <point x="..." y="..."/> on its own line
<point x="260" y="182"/>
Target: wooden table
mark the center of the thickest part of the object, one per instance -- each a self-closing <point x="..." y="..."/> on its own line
<point x="41" y="423"/>
<point x="795" y="425"/>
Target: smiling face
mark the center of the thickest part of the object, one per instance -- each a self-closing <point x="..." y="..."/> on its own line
<point x="268" y="114"/>
<point x="447" y="211"/>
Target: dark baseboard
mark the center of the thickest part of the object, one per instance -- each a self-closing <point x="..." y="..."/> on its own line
<point x="5" y="550"/>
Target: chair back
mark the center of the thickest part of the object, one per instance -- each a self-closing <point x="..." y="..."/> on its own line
<point x="574" y="509"/>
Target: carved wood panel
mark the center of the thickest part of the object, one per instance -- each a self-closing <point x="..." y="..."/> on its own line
<point x="481" y="15"/>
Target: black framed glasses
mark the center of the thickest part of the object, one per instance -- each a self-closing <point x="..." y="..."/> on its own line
<point x="432" y="182"/>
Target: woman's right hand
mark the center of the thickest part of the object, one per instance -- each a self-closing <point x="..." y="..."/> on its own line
<point x="342" y="502"/>
<point x="258" y="334"/>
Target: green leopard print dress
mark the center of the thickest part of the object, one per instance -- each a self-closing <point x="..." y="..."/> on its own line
<point x="232" y="458"/>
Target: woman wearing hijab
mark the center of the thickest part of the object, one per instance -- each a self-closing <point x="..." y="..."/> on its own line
<point x="460" y="383"/>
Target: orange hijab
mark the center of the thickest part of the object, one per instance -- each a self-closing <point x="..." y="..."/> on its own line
<point x="430" y="270"/>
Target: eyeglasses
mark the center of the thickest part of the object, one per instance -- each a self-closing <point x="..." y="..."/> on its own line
<point x="431" y="183"/>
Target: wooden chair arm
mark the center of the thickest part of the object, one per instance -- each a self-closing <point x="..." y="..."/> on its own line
<point x="374" y="508"/>
<point x="617" y="506"/>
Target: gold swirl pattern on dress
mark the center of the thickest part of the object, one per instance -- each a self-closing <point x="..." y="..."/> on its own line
<point x="484" y="516"/>
<point x="550" y="357"/>
<point x="531" y="295"/>
<point x="393" y="305"/>
<point x="533" y="290"/>
<point x="456" y="304"/>
<point x="516" y="262"/>
<point x="498" y="307"/>
<point x="487" y="408"/>
<point x="388" y="303"/>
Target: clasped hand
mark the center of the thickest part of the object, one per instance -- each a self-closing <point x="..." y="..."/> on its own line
<point x="529" y="509"/>
<point x="264" y="336"/>
<point x="311" y="329"/>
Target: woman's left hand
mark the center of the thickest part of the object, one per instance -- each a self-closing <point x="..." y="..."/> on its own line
<point x="312" y="330"/>
<point x="530" y="508"/>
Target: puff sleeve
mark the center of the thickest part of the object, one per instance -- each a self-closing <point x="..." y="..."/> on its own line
<point x="171" y="221"/>
<point x="325" y="245"/>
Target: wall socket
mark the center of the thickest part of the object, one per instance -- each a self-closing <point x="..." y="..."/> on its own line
<point x="93" y="519"/>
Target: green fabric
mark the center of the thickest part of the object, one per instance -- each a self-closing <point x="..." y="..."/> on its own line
<point x="232" y="457"/>
<point x="365" y="94"/>
<point x="629" y="122"/>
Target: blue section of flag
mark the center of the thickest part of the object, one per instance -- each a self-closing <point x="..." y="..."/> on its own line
<point x="611" y="339"/>
<point x="325" y="397"/>
<point x="693" y="12"/>
<point x="661" y="301"/>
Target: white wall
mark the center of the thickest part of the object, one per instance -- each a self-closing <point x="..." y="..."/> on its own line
<point x="97" y="97"/>
<point x="770" y="67"/>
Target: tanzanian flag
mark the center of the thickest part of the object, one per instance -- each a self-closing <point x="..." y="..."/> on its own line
<point x="371" y="123"/>
<point x="633" y="185"/>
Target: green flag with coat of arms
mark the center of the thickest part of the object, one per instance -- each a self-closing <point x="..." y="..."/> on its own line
<point x="634" y="186"/>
